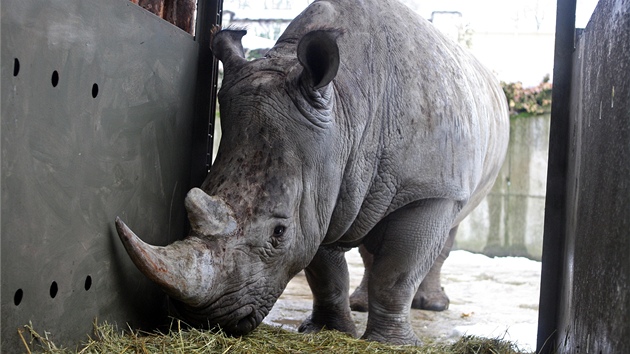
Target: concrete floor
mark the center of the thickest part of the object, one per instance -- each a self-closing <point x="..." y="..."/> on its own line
<point x="490" y="297"/>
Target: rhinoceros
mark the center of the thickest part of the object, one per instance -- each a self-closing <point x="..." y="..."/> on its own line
<point x="362" y="126"/>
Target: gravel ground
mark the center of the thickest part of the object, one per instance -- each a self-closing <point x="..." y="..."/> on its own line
<point x="490" y="297"/>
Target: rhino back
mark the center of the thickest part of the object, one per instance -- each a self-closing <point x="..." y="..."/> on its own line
<point x="420" y="117"/>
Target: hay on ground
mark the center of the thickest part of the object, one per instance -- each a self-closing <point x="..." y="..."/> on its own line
<point x="265" y="339"/>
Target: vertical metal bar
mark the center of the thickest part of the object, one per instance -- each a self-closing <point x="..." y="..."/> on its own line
<point x="555" y="206"/>
<point x="214" y="87"/>
<point x="208" y="15"/>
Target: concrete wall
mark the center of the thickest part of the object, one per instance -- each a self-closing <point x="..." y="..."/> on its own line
<point x="509" y="221"/>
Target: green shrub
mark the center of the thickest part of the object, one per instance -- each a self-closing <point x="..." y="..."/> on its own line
<point x="528" y="101"/>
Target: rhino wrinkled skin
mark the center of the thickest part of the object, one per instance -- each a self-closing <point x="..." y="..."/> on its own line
<point x="363" y="126"/>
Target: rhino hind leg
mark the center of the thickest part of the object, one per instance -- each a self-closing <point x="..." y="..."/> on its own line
<point x="328" y="278"/>
<point x="405" y="245"/>
<point x="359" y="298"/>
<point x="430" y="295"/>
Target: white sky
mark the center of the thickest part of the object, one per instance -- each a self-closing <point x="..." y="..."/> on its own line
<point x="483" y="15"/>
<point x="502" y="15"/>
<point x="513" y="38"/>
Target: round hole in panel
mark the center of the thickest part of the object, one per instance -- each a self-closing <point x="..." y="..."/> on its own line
<point x="53" y="289"/>
<point x="16" y="67"/>
<point x="88" y="283"/>
<point x="55" y="78"/>
<point x="94" y="90"/>
<point x="17" y="298"/>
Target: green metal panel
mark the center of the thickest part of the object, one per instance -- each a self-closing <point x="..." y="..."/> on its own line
<point x="97" y="110"/>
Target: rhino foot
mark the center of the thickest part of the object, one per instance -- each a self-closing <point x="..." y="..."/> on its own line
<point x="431" y="300"/>
<point x="424" y="300"/>
<point x="345" y="325"/>
<point x="393" y="335"/>
<point x="308" y="326"/>
<point x="359" y="300"/>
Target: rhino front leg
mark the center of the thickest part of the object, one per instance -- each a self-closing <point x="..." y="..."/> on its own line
<point x="405" y="245"/>
<point x="328" y="278"/>
<point x="430" y="295"/>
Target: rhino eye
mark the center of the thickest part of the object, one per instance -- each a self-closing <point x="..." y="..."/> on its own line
<point x="279" y="231"/>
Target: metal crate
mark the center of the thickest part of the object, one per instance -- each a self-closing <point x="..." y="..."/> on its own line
<point x="98" y="121"/>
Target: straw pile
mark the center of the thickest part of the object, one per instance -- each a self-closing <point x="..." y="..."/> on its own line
<point x="265" y="339"/>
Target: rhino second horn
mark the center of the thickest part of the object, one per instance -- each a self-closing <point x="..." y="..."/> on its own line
<point x="209" y="215"/>
<point x="183" y="269"/>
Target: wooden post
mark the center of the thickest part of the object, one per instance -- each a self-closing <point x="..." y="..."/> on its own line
<point x="154" y="6"/>
<point x="180" y="13"/>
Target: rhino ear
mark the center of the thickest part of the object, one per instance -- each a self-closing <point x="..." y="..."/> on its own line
<point x="319" y="55"/>
<point x="226" y="46"/>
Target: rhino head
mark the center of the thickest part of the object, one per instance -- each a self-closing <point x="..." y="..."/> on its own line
<point x="261" y="214"/>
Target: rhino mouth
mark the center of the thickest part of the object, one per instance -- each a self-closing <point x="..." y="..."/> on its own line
<point x="246" y="324"/>
<point x="240" y="322"/>
<point x="237" y="322"/>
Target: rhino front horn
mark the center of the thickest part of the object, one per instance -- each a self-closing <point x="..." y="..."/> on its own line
<point x="183" y="269"/>
<point x="209" y="215"/>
